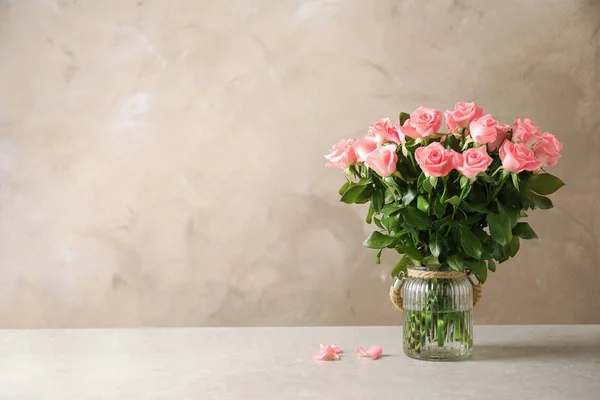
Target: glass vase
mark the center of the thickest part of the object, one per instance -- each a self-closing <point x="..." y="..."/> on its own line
<point x="438" y="322"/>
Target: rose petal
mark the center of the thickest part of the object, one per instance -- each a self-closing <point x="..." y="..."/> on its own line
<point x="336" y="349"/>
<point x="361" y="352"/>
<point x="374" y="352"/>
<point x="326" y="357"/>
<point x="327" y="353"/>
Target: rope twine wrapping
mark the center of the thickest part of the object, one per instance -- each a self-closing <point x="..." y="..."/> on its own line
<point x="395" y="289"/>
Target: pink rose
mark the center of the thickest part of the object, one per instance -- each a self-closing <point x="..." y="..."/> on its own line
<point x="472" y="161"/>
<point x="501" y="135"/>
<point x="341" y="154"/>
<point x="394" y="132"/>
<point x="422" y="123"/>
<point x="483" y="130"/>
<point x="517" y="157"/>
<point x="384" y="131"/>
<point x="547" y="150"/>
<point x="526" y="132"/>
<point x="434" y="160"/>
<point x="383" y="160"/>
<point x="463" y="115"/>
<point x="364" y="146"/>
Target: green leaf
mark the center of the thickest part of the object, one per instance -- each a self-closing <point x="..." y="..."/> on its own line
<point x="378" y="256"/>
<point x="427" y="186"/>
<point x="512" y="213"/>
<point x="478" y="193"/>
<point x="500" y="227"/>
<point x="479" y="269"/>
<point x="403" y="118"/>
<point x="492" y="265"/>
<point x="370" y="213"/>
<point x="433" y="180"/>
<point x="378" y="223"/>
<point x="439" y="208"/>
<point x="454" y="200"/>
<point x="410" y="195"/>
<point x="422" y="178"/>
<point x="456" y="262"/>
<point x="401" y="266"/>
<point x="513" y="247"/>
<point x="423" y="204"/>
<point x="524" y="231"/>
<point x="394" y="222"/>
<point x="476" y="207"/>
<point x="405" y="167"/>
<point x="390" y="209"/>
<point x="414" y="235"/>
<point x="446" y="221"/>
<point x="499" y="253"/>
<point x="515" y="180"/>
<point x="471" y="220"/>
<point x="378" y="240"/>
<point x="404" y="151"/>
<point x="541" y="202"/>
<point x="452" y="142"/>
<point x="377" y="200"/>
<point x="481" y="235"/>
<point x="511" y="197"/>
<point x="464" y="181"/>
<point x="486" y="178"/>
<point x="436" y="243"/>
<point x="357" y="194"/>
<point x="470" y="243"/>
<point x="431" y="261"/>
<point x="412" y="252"/>
<point x="385" y="221"/>
<point x="544" y="184"/>
<point x="344" y="187"/>
<point x="416" y="218"/>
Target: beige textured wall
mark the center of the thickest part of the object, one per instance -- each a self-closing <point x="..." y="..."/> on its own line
<point x="161" y="162"/>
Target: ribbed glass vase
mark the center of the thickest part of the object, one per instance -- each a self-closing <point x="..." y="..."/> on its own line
<point x="438" y="322"/>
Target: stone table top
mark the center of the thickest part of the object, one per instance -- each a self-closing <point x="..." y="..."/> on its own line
<point x="509" y="362"/>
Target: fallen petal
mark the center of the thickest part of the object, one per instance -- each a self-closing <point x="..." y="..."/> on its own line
<point x="326" y="357"/>
<point x="361" y="352"/>
<point x="327" y="353"/>
<point x="336" y="349"/>
<point x="374" y="352"/>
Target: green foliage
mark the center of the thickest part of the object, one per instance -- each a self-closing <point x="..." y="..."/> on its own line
<point x="436" y="244"/>
<point x="415" y="218"/>
<point x="479" y="269"/>
<point x="500" y="227"/>
<point x="378" y="240"/>
<point x="377" y="200"/>
<point x="401" y="266"/>
<point x="423" y="204"/>
<point x="358" y="194"/>
<point x="403" y="117"/>
<point x="456" y="262"/>
<point x="541" y="202"/>
<point x="544" y="184"/>
<point x="470" y="243"/>
<point x="524" y="231"/>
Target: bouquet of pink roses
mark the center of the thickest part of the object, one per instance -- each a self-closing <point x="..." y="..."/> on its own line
<point x="449" y="201"/>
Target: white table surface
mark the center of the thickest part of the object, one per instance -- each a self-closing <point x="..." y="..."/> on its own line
<point x="509" y="362"/>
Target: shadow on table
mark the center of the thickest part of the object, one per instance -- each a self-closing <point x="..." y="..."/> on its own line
<point x="516" y="352"/>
